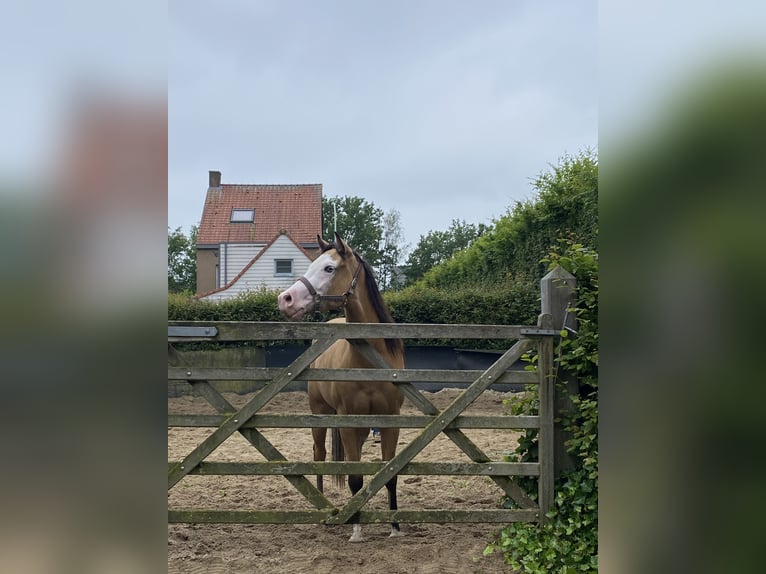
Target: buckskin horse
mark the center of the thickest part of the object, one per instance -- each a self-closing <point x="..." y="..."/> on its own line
<point x="340" y="278"/>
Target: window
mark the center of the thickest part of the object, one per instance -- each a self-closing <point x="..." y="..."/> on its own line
<point x="283" y="267"/>
<point x="242" y="215"/>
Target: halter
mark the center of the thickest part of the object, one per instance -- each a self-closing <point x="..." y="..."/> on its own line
<point x="341" y="299"/>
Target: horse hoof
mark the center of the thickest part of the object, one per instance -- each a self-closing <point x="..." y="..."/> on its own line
<point x="356" y="533"/>
<point x="396" y="533"/>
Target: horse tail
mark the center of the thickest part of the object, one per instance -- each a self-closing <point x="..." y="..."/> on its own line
<point x="338" y="455"/>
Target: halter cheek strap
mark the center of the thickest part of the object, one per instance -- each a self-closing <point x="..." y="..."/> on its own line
<point x="308" y="285"/>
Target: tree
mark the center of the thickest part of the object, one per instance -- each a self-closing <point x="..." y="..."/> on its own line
<point x="438" y="246"/>
<point x="392" y="252"/>
<point x="359" y="222"/>
<point x="182" y="260"/>
<point x="566" y="206"/>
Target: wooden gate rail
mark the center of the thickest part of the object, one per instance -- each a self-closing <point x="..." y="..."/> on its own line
<point x="502" y="516"/>
<point x="358" y="421"/>
<point x="272" y="468"/>
<point x="450" y="421"/>
<point x="264" y="374"/>
<point x="229" y="331"/>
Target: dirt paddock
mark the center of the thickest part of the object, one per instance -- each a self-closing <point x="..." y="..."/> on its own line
<point x="317" y="549"/>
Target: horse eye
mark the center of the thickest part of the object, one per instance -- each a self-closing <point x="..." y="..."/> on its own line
<point x="329" y="269"/>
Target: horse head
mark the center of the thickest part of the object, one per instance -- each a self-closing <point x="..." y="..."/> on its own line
<point x="329" y="281"/>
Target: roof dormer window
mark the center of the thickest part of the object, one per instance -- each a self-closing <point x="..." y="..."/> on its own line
<point x="242" y="215"/>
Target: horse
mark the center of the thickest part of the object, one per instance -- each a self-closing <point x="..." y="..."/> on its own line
<point x="340" y="278"/>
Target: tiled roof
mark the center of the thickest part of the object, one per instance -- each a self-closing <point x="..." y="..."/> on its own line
<point x="296" y="209"/>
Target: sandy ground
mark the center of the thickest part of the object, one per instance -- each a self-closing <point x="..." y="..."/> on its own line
<point x="317" y="549"/>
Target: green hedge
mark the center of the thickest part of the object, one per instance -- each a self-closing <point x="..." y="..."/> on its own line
<point x="255" y="306"/>
<point x="258" y="305"/>
<point x="512" y="305"/>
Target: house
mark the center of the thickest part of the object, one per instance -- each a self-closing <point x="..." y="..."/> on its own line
<point x="255" y="236"/>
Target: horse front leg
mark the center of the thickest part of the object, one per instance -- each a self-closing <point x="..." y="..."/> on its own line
<point x="320" y="452"/>
<point x="391" y="488"/>
<point x="389" y="441"/>
<point x="352" y="440"/>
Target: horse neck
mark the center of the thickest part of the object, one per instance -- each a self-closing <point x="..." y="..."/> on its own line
<point x="359" y="308"/>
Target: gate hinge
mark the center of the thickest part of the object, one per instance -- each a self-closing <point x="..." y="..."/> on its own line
<point x="529" y="331"/>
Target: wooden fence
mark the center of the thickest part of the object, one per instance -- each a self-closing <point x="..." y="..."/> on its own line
<point x="269" y="381"/>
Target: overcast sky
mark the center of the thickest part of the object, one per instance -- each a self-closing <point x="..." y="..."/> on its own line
<point x="441" y="110"/>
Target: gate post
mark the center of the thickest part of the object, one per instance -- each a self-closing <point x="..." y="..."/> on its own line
<point x="557" y="294"/>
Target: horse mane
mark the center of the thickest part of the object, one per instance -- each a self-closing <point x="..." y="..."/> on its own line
<point x="378" y="304"/>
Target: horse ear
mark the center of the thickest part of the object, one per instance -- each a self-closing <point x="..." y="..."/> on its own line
<point x="323" y="245"/>
<point x="340" y="245"/>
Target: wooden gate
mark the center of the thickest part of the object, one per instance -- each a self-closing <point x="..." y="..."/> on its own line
<point x="450" y="421"/>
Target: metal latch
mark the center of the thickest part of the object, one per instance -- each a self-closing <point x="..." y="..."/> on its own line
<point x="192" y="331"/>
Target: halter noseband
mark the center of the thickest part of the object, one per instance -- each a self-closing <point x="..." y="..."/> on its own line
<point x="341" y="299"/>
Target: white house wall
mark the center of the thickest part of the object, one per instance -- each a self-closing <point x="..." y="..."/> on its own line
<point x="234" y="257"/>
<point x="261" y="273"/>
